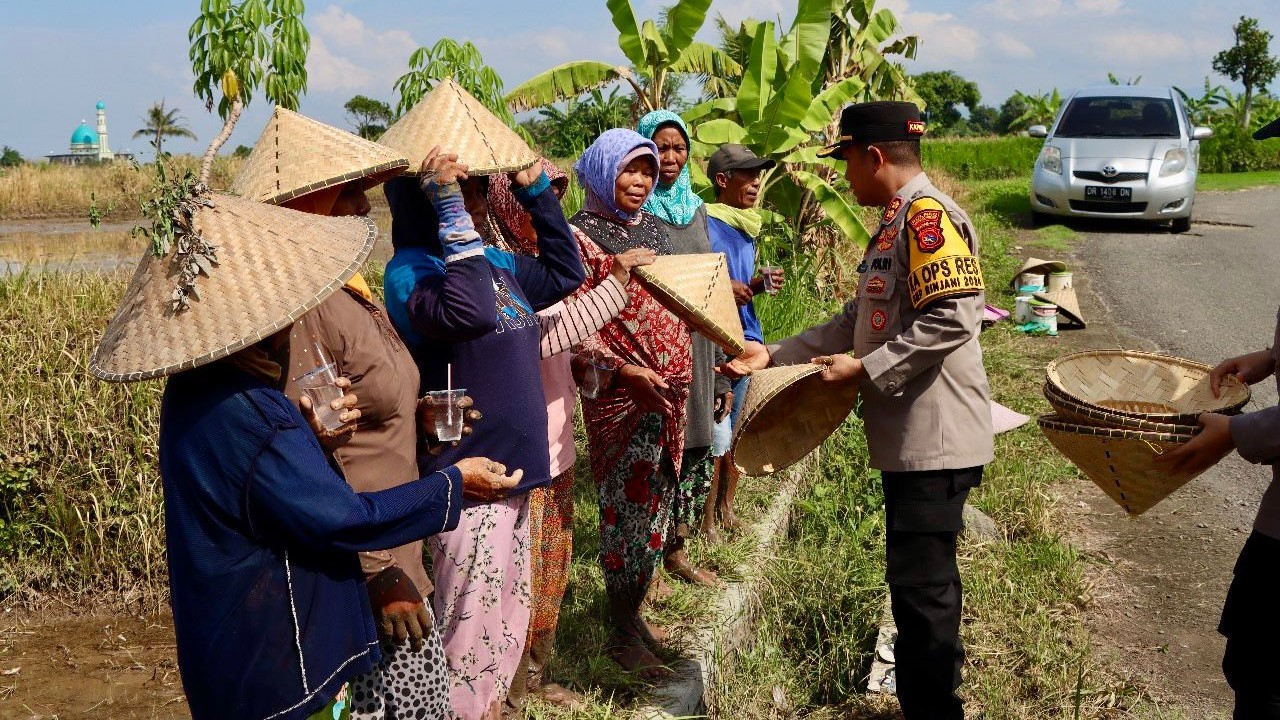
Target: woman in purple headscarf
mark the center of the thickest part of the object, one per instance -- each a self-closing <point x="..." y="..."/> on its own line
<point x="635" y="424"/>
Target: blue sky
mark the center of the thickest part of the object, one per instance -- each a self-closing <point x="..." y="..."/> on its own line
<point x="61" y="56"/>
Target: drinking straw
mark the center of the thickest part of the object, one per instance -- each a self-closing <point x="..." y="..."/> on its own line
<point x="448" y="375"/>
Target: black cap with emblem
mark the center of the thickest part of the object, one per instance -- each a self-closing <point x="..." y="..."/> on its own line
<point x="1270" y="130"/>
<point x="873" y="122"/>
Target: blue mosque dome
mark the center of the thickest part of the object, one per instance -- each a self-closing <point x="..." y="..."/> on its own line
<point x="102" y="105"/>
<point x="84" y="135"/>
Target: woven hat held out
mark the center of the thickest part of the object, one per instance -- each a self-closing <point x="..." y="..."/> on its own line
<point x="696" y="288"/>
<point x="296" y="156"/>
<point x="788" y="411"/>
<point x="453" y="119"/>
<point x="273" y="265"/>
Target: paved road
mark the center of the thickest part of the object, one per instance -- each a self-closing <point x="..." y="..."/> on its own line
<point x="1207" y="294"/>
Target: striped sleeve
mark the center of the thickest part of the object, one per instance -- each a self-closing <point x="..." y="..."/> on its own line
<point x="581" y="317"/>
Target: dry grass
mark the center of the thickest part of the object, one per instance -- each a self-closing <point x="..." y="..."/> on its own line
<point x="41" y="190"/>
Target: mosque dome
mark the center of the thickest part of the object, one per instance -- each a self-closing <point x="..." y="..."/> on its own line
<point x="84" y="135"/>
<point x="102" y="105"/>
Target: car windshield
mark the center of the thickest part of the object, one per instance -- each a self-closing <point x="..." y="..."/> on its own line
<point x="1119" y="117"/>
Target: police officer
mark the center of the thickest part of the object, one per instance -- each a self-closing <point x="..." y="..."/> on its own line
<point x="913" y="328"/>
<point x="1251" y="614"/>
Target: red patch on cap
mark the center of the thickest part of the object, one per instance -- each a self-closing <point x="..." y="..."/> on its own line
<point x="879" y="320"/>
<point x="875" y="286"/>
<point x="927" y="225"/>
<point x="891" y="212"/>
<point x="915" y="127"/>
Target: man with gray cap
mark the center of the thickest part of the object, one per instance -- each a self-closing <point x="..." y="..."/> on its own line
<point x="913" y="326"/>
<point x="733" y="225"/>
<point x="1250" y="620"/>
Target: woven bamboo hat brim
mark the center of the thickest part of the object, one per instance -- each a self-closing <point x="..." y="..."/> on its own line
<point x="296" y="156"/>
<point x="697" y="289"/>
<point x="788" y="412"/>
<point x="1077" y="412"/>
<point x="1153" y="387"/>
<point x="1067" y="302"/>
<point x="1036" y="265"/>
<point x="453" y="119"/>
<point x="274" y="264"/>
<point x="1121" y="462"/>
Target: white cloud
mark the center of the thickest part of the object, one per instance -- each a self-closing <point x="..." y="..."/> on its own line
<point x="1139" y="45"/>
<point x="348" y="55"/>
<point x="1098" y="7"/>
<point x="943" y="37"/>
<point x="1022" y="10"/>
<point x="735" y="11"/>
<point x="1011" y="46"/>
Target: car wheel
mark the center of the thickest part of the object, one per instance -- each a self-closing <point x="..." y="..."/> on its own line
<point x="1039" y="219"/>
<point x="1180" y="225"/>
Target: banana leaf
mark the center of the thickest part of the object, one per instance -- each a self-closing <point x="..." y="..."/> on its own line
<point x="684" y="20"/>
<point x="655" y="48"/>
<point x="701" y="110"/>
<point x="562" y="82"/>
<point x="829" y="103"/>
<point x="837" y="208"/>
<point x="757" y="82"/>
<point x="719" y="132"/>
<point x="702" y="59"/>
<point x="624" y="18"/>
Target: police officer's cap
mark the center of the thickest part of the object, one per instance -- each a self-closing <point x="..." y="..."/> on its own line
<point x="873" y="122"/>
<point x="1270" y="130"/>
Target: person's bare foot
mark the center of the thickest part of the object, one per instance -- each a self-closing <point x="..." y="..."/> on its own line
<point x="729" y="521"/>
<point x="631" y="652"/>
<point x="659" y="589"/>
<point x="678" y="564"/>
<point x="651" y="633"/>
<point x="560" y="696"/>
<point x="710" y="535"/>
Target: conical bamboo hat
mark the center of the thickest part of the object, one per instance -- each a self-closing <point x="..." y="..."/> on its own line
<point x="453" y="119"/>
<point x="296" y="156"/>
<point x="273" y="265"/>
<point x="1120" y="461"/>
<point x="697" y="289"/>
<point x="1067" y="302"/>
<point x="1079" y="413"/>
<point x="1037" y="265"/>
<point x="788" y="411"/>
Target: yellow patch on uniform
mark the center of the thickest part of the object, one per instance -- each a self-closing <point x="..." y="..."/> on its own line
<point x="942" y="263"/>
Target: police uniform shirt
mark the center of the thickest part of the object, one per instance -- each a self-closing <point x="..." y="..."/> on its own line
<point x="914" y="323"/>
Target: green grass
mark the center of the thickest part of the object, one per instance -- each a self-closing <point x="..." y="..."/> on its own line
<point x="1237" y="181"/>
<point x="991" y="158"/>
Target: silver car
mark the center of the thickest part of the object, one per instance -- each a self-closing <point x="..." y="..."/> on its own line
<point x="1119" y="151"/>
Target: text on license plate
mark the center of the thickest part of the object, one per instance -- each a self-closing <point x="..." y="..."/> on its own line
<point x="1108" y="194"/>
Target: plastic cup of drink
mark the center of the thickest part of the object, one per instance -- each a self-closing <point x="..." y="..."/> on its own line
<point x="767" y="272"/>
<point x="447" y="414"/>
<point x="321" y="385"/>
<point x="594" y="379"/>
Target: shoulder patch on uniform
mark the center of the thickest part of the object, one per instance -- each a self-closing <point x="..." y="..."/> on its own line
<point x="942" y="262"/>
<point x="891" y="211"/>
<point x="886" y="238"/>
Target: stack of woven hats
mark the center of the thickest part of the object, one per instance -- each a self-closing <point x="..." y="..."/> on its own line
<point x="1115" y="411"/>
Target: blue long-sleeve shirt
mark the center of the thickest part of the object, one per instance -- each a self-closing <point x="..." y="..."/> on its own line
<point x="496" y="355"/>
<point x="739" y="249"/>
<point x="269" y="605"/>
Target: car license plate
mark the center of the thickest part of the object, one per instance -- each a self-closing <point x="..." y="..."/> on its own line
<point x="1104" y="193"/>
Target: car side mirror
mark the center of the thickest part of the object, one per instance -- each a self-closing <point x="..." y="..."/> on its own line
<point x="1201" y="133"/>
<point x="1038" y="131"/>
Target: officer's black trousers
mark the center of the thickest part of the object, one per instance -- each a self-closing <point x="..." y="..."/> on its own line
<point x="1251" y="624"/>
<point x="924" y="514"/>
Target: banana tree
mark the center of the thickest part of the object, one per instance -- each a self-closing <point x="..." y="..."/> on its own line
<point x="784" y="107"/>
<point x="656" y="51"/>
<point x="1203" y="108"/>
<point x="1041" y="109"/>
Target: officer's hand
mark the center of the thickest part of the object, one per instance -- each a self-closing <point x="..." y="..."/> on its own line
<point x="742" y="292"/>
<point x="840" y="368"/>
<point x="398" y="610"/>
<point x="1210" y="445"/>
<point x="754" y="357"/>
<point x="1251" y="368"/>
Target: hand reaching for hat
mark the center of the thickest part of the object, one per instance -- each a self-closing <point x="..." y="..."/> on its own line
<point x="840" y="368"/>
<point x="441" y="168"/>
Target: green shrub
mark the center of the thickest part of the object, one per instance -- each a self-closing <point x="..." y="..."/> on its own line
<point x="1232" y="149"/>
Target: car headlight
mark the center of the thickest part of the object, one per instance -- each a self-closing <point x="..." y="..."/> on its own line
<point x="1175" y="161"/>
<point x="1051" y="159"/>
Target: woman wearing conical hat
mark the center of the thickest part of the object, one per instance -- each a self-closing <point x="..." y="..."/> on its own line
<point x="309" y="166"/>
<point x="269" y="606"/>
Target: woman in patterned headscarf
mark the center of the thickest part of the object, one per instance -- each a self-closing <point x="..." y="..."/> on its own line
<point x="675" y="204"/>
<point x="635" y="425"/>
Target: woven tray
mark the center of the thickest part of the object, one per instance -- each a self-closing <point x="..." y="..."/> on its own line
<point x="1148" y="386"/>
<point x="696" y="289"/>
<point x="1077" y="412"/>
<point x="788" y="412"/>
<point x="1121" y="462"/>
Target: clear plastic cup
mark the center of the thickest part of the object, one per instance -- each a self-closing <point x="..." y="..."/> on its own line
<point x="767" y="272"/>
<point x="595" y="379"/>
<point x="321" y="385"/>
<point x="447" y="414"/>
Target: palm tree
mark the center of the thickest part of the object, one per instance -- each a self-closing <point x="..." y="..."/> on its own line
<point x="162" y="123"/>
